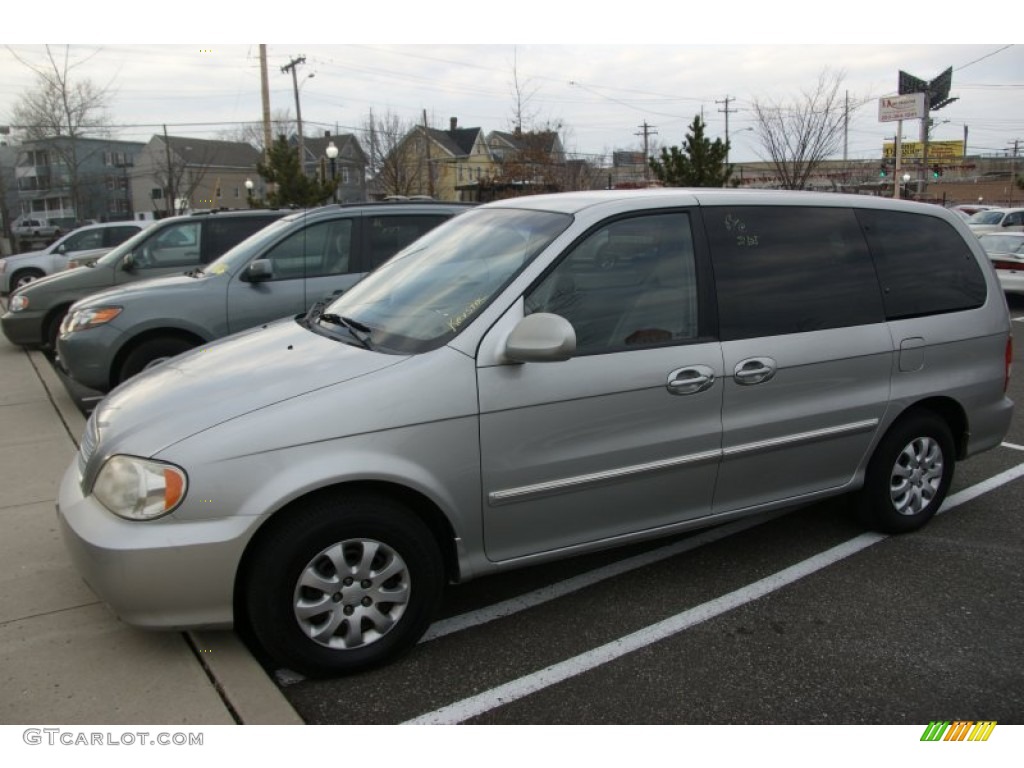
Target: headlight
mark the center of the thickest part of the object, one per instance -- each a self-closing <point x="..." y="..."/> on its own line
<point x="139" y="489"/>
<point x="18" y="303"/>
<point x="81" y="319"/>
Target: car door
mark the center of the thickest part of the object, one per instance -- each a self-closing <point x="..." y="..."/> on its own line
<point x="807" y="352"/>
<point x="624" y="436"/>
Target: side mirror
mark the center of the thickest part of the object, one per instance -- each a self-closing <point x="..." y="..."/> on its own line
<point x="541" y="338"/>
<point x="259" y="270"/>
<point x="128" y="262"/>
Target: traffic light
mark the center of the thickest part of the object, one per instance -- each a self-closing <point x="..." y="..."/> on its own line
<point x="882" y="171"/>
<point x="936" y="171"/>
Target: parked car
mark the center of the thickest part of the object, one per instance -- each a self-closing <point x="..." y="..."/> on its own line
<point x="1006" y="250"/>
<point x="33" y="227"/>
<point x="997" y="220"/>
<point x="171" y="246"/>
<point x="969" y="209"/>
<point x="283" y="270"/>
<point x="494" y="396"/>
<point x="21" y="269"/>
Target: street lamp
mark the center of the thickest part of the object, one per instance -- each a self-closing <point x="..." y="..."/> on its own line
<point x="906" y="180"/>
<point x="332" y="155"/>
<point x="248" y="191"/>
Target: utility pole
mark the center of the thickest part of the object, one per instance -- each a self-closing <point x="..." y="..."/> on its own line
<point x="646" y="131"/>
<point x="1013" y="169"/>
<point x="430" y="171"/>
<point x="291" y="66"/>
<point x="726" y="101"/>
<point x="172" y="206"/>
<point x="268" y="139"/>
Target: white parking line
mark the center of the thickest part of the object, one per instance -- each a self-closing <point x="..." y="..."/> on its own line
<point x="473" y="706"/>
<point x="576" y="583"/>
<point x="1013" y="445"/>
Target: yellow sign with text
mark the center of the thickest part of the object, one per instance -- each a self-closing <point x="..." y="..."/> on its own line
<point x="937" y="150"/>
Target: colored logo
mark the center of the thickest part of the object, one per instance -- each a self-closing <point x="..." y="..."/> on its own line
<point x="959" y="730"/>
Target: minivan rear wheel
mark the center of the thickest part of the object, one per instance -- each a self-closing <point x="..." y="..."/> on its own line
<point x="342" y="584"/>
<point x="909" y="474"/>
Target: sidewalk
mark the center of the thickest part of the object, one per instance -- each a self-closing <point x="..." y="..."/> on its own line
<point x="64" y="658"/>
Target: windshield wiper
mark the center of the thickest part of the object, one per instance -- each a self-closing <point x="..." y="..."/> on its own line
<point x="358" y="331"/>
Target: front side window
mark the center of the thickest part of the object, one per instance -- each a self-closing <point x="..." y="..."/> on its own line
<point x="173" y="246"/>
<point x="423" y="296"/>
<point x="324" y="248"/>
<point x="629" y="284"/>
<point x="789" y="269"/>
<point x="80" y="241"/>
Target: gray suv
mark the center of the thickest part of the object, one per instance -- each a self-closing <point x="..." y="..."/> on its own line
<point x="170" y="246"/>
<point x="539" y="378"/>
<point x="282" y="270"/>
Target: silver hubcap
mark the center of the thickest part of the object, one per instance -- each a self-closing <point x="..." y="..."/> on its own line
<point x="916" y="476"/>
<point x="25" y="280"/>
<point x="352" y="593"/>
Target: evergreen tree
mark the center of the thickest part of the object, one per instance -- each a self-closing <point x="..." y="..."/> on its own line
<point x="700" y="162"/>
<point x="291" y="187"/>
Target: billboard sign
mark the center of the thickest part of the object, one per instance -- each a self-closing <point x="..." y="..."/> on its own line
<point x="909" y="106"/>
<point x="938" y="151"/>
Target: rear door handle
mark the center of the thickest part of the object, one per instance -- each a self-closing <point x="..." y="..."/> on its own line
<point x="690" y="380"/>
<point x="754" y="370"/>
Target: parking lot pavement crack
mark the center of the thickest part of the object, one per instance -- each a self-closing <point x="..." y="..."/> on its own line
<point x="27" y="617"/>
<point x="191" y="643"/>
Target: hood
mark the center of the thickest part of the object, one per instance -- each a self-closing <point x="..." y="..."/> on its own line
<point x="224" y="380"/>
<point x="26" y="255"/>
<point x="128" y="291"/>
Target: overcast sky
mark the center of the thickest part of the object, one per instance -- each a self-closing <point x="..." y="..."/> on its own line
<point x="601" y="93"/>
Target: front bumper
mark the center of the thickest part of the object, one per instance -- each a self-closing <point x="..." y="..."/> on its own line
<point x="24" y="328"/>
<point x="160" y="574"/>
<point x="87" y="356"/>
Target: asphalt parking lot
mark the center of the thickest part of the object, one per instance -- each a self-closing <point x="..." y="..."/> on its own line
<point x="789" y="618"/>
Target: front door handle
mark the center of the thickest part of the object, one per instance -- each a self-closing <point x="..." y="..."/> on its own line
<point x="754" y="370"/>
<point x="690" y="380"/>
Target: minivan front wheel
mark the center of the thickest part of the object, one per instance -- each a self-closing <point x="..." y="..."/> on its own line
<point x="343" y="584"/>
<point x="909" y="474"/>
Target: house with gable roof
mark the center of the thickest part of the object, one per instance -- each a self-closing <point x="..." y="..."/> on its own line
<point x="349" y="165"/>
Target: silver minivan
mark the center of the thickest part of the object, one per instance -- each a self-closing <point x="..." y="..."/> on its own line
<point x="538" y="378"/>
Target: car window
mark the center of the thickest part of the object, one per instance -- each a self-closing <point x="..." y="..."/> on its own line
<point x="387" y="235"/>
<point x="80" y="241"/>
<point x="629" y="284"/>
<point x="924" y="265"/>
<point x="223" y="234"/>
<point x="324" y="248"/>
<point x="117" y="235"/>
<point x="173" y="246"/>
<point x="1014" y="219"/>
<point x="816" y="258"/>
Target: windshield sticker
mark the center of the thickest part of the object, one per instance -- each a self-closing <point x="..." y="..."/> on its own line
<point x="733" y="224"/>
<point x="218" y="269"/>
<point x="459" y="319"/>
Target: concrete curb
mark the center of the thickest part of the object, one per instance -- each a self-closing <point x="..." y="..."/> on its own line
<point x="249" y="695"/>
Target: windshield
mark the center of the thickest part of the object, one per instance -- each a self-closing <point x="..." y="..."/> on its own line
<point x="420" y="298"/>
<point x="986" y="217"/>
<point x="129" y="245"/>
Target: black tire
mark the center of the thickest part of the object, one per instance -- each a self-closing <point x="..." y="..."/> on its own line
<point x="384" y="551"/>
<point x="909" y="474"/>
<point x="151" y="352"/>
<point x="52" y="328"/>
<point x="24" y="277"/>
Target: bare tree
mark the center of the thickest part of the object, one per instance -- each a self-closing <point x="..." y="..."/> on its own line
<point x="797" y="136"/>
<point x="395" y="163"/>
<point x="523" y="114"/>
<point x="281" y="124"/>
<point x="63" y="110"/>
<point x="180" y="175"/>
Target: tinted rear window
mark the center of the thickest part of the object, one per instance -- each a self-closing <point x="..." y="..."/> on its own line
<point x="224" y="234"/>
<point x="924" y="265"/>
<point x="787" y="269"/>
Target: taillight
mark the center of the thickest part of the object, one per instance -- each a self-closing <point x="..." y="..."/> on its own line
<point x="1000" y="264"/>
